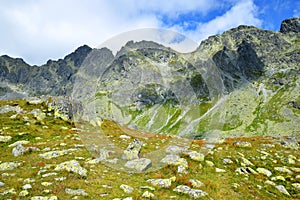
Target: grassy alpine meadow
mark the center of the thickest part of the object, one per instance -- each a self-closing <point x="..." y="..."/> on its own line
<point x="44" y="157"/>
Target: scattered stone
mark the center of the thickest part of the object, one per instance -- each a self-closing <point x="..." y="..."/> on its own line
<point x="209" y="163"/>
<point x="46" y="184"/>
<point x="9" y="166"/>
<point x="26" y="187"/>
<point x="268" y="145"/>
<point x="80" y="192"/>
<point x="7" y="108"/>
<point x="60" y="178"/>
<point x="245" y="170"/>
<point x="49" y="174"/>
<point x="182" y="170"/>
<point x="125" y="137"/>
<point x="282" y="189"/>
<point x="148" y="187"/>
<point x="18" y="142"/>
<point x="23" y="193"/>
<point x="148" y="195"/>
<point x="196" y="183"/>
<point x="296" y="185"/>
<point x="163" y="183"/>
<point x="295" y="169"/>
<point x="245" y="162"/>
<point x="55" y="154"/>
<point x="71" y="166"/>
<point x="174" y="160"/>
<point x="268" y="182"/>
<point x="278" y="178"/>
<point x="242" y="144"/>
<point x="126" y="188"/>
<point x="264" y="171"/>
<point x="289" y="160"/>
<point x="38" y="114"/>
<point x="194" y="155"/>
<point x="2" y="184"/>
<point x="9" y="191"/>
<point x="175" y="150"/>
<point x="5" y="138"/>
<point x="283" y="169"/>
<point x="227" y="161"/>
<point x="195" y="194"/>
<point x="140" y="164"/>
<point x="44" y="198"/>
<point x="218" y="170"/>
<point x="133" y="150"/>
<point x="20" y="150"/>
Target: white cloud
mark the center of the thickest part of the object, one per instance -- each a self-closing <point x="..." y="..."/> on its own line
<point x="242" y="13"/>
<point x="39" y="30"/>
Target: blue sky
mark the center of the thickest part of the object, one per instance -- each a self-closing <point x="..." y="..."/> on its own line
<point x="38" y="30"/>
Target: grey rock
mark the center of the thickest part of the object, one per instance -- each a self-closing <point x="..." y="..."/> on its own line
<point x="193" y="193"/>
<point x="264" y="171"/>
<point x="290" y="143"/>
<point x="175" y="150"/>
<point x="126" y="188"/>
<point x="282" y="189"/>
<point x="80" y="192"/>
<point x="2" y="184"/>
<point x="242" y="144"/>
<point x="140" y="164"/>
<point x="133" y="150"/>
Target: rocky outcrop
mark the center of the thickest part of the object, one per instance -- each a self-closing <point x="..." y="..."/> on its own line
<point x="290" y="25"/>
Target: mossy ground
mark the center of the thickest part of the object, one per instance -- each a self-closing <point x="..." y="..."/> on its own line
<point x="104" y="182"/>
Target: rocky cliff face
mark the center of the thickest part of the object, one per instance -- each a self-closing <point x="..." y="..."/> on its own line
<point x="244" y="81"/>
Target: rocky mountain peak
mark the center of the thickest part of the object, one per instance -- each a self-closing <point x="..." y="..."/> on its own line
<point x="290" y="25"/>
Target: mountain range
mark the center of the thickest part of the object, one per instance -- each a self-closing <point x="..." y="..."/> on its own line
<point x="244" y="81"/>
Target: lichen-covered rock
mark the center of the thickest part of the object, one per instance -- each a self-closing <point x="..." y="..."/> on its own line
<point x="227" y="161"/>
<point x="283" y="169"/>
<point x="174" y="160"/>
<point x="264" y="171"/>
<point x="196" y="183"/>
<point x="245" y="162"/>
<point x="5" y="138"/>
<point x="9" y="166"/>
<point x="194" y="155"/>
<point x="193" y="193"/>
<point x="23" y="193"/>
<point x="20" y="150"/>
<point x="218" y="170"/>
<point x="44" y="198"/>
<point x="80" y="192"/>
<point x="133" y="150"/>
<point x="242" y="144"/>
<point x="38" y="114"/>
<point x="282" y="189"/>
<point x="7" y="108"/>
<point x="268" y="182"/>
<point x="139" y="165"/>
<point x="245" y="170"/>
<point x="296" y="185"/>
<point x="181" y="170"/>
<point x="22" y="142"/>
<point x="71" y="166"/>
<point x="55" y="154"/>
<point x="126" y="188"/>
<point x="163" y="183"/>
<point x="148" y="195"/>
<point x="278" y="178"/>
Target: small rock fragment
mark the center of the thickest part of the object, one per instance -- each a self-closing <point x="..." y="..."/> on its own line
<point x="282" y="189"/>
<point x="264" y="171"/>
<point x="71" y="166"/>
<point x="126" y="188"/>
<point x="148" y="195"/>
<point x="196" y="183"/>
<point x="80" y="192"/>
<point x="242" y="144"/>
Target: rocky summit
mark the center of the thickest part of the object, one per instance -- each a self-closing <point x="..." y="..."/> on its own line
<point x="221" y="122"/>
